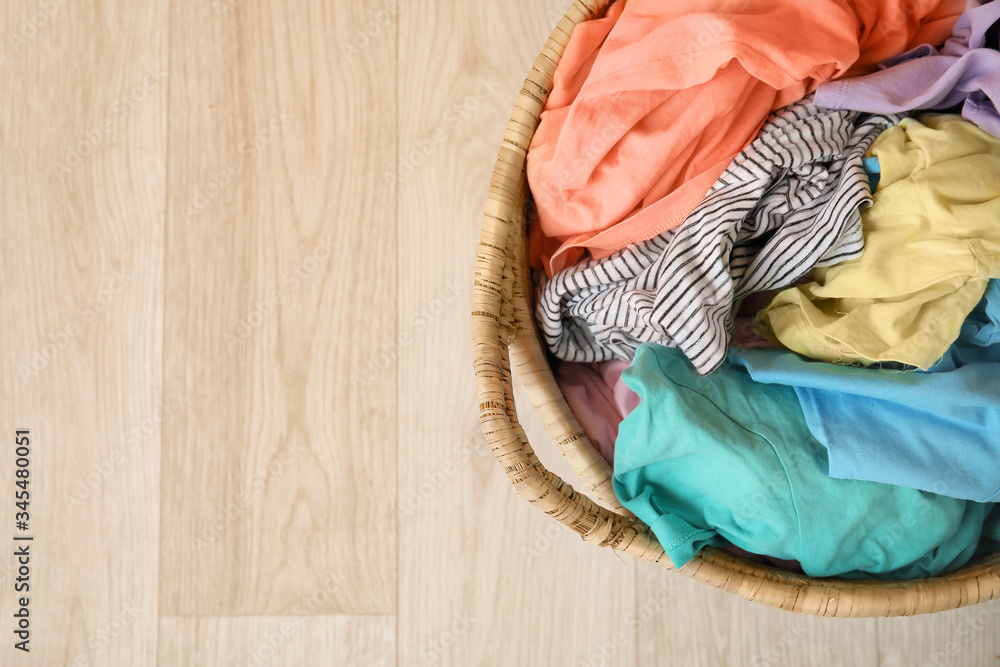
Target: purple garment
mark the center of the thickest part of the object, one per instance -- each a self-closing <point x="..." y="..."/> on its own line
<point x="966" y="68"/>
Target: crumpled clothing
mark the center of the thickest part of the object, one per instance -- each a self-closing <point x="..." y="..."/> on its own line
<point x="651" y="102"/>
<point x="965" y="71"/>
<point x="702" y="459"/>
<point x="789" y="202"/>
<point x="932" y="243"/>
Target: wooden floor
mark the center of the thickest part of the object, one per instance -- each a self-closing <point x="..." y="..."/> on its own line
<point x="237" y="241"/>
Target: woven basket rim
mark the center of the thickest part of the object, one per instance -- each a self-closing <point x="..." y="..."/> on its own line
<point x="504" y="330"/>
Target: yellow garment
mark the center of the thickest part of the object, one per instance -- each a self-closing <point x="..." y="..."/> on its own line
<point x="932" y="240"/>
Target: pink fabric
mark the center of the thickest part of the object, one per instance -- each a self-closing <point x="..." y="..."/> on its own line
<point x="787" y="565"/>
<point x="599" y="399"/>
<point x="745" y="336"/>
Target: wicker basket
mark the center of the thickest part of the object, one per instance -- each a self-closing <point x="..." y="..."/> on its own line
<point x="503" y="329"/>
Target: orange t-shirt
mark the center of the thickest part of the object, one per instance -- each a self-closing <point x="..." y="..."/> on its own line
<point x="651" y="102"/>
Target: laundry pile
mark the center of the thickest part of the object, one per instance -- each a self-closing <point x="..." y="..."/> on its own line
<point x="766" y="242"/>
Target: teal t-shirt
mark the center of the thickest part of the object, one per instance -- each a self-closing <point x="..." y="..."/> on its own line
<point x="704" y="458"/>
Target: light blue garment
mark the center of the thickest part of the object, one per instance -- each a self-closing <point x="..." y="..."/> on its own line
<point x="706" y="458"/>
<point x="874" y="171"/>
<point x="937" y="431"/>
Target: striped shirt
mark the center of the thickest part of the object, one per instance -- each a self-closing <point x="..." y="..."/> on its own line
<point x="787" y="203"/>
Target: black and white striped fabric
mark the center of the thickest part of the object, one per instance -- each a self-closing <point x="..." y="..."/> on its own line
<point x="789" y="202"/>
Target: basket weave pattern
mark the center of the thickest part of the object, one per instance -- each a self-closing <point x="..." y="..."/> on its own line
<point x="504" y="331"/>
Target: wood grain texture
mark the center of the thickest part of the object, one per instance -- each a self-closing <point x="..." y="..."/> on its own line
<point x="280" y="277"/>
<point x="81" y="255"/>
<point x="950" y="639"/>
<point x="678" y="616"/>
<point x="237" y="241"/>
<point x="480" y="571"/>
<point x="285" y="641"/>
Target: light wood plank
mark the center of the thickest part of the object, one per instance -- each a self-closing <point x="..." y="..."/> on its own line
<point x="954" y="638"/>
<point x="697" y="625"/>
<point x="485" y="579"/>
<point x="281" y="423"/>
<point x="82" y="191"/>
<point x="280" y="276"/>
<point x="292" y="641"/>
